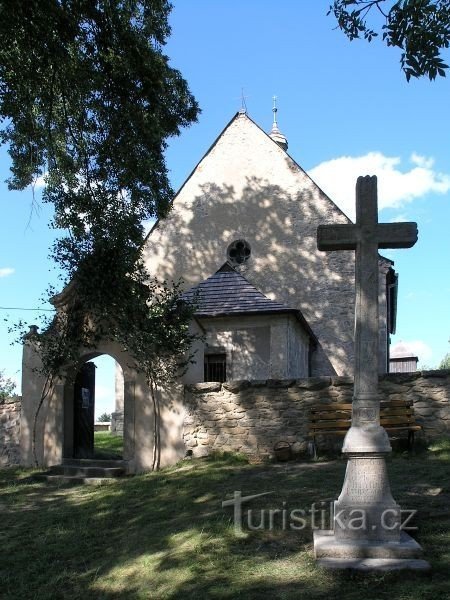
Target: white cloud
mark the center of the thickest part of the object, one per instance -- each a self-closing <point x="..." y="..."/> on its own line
<point x="413" y="348"/>
<point x="39" y="182"/>
<point x="337" y="178"/>
<point x="5" y="271"/>
<point x="399" y="218"/>
<point x="422" y="161"/>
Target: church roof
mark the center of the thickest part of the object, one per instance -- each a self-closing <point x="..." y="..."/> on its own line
<point x="274" y="137"/>
<point x="228" y="293"/>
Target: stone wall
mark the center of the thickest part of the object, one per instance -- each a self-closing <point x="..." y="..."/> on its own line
<point x="252" y="416"/>
<point x="117" y="423"/>
<point x="10" y="431"/>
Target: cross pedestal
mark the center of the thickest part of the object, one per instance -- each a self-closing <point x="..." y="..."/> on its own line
<point x="367" y="521"/>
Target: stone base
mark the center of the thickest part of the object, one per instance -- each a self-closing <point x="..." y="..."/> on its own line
<point x="328" y="548"/>
<point x="375" y="564"/>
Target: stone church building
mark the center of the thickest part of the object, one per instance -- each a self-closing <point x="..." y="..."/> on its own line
<point x="242" y="236"/>
<point x="243" y="232"/>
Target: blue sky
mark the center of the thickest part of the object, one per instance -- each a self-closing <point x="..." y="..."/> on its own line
<point x="346" y="110"/>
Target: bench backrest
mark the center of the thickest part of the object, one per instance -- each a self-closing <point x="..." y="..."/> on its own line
<point x="394" y="414"/>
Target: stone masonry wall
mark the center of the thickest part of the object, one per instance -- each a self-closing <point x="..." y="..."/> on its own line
<point x="252" y="416"/>
<point x="10" y="432"/>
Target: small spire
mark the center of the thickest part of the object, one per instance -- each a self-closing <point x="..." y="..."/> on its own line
<point x="275" y="133"/>
<point x="274" y="110"/>
<point x="243" y="109"/>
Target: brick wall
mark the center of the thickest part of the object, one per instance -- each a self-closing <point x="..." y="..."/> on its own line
<point x="252" y="416"/>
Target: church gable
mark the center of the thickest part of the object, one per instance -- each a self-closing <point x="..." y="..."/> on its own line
<point x="248" y="189"/>
<point x="245" y="186"/>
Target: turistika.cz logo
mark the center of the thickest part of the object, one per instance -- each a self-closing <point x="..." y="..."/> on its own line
<point x="320" y="515"/>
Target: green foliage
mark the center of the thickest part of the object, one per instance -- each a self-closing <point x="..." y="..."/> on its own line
<point x="104" y="418"/>
<point x="88" y="97"/>
<point x="445" y="362"/>
<point x="87" y="101"/>
<point x="420" y="28"/>
<point x="7" y="387"/>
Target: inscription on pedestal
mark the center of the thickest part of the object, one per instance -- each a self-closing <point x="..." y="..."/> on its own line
<point x="366" y="481"/>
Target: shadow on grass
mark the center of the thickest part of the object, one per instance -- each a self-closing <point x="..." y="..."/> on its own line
<point x="107" y="446"/>
<point x="166" y="535"/>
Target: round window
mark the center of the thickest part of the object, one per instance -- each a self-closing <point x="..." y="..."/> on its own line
<point x="238" y="252"/>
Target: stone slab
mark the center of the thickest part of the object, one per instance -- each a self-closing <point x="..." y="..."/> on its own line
<point x="375" y="564"/>
<point x="326" y="546"/>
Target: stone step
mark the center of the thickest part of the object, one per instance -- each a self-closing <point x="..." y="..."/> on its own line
<point x="94" y="462"/>
<point x="86" y="471"/>
<point x="74" y="479"/>
<point x="375" y="564"/>
<point x="327" y="546"/>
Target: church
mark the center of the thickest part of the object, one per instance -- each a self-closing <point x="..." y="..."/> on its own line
<point x="242" y="236"/>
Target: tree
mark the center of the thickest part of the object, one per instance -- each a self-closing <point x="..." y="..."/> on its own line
<point x="104" y="418"/>
<point x="420" y="28"/>
<point x="445" y="362"/>
<point x="87" y="101"/>
<point x="7" y="387"/>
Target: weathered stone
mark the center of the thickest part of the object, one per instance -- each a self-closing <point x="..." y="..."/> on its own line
<point x="437" y="374"/>
<point x="280" y="383"/>
<point x="189" y="429"/>
<point x="10" y="412"/>
<point x="366" y="484"/>
<point x="313" y="383"/>
<point x="201" y="388"/>
<point x="201" y="451"/>
<point x="342" y="381"/>
<point x="424" y="412"/>
<point x="422" y="404"/>
<point x="236" y="386"/>
<point x="271" y="414"/>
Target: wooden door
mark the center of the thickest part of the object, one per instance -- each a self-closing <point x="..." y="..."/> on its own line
<point x="84" y="405"/>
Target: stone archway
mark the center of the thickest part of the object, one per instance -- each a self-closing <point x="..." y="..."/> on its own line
<point x="54" y="425"/>
<point x="68" y="390"/>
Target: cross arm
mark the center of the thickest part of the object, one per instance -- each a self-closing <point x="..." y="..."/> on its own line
<point x="337" y="237"/>
<point x="396" y="235"/>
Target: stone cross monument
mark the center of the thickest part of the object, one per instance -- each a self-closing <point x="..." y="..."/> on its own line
<point x="367" y="520"/>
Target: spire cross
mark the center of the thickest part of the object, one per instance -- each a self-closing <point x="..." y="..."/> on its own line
<point x="274" y="110"/>
<point x="365" y="237"/>
<point x="243" y="109"/>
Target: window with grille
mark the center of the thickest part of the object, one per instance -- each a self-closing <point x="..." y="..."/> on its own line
<point x="215" y="367"/>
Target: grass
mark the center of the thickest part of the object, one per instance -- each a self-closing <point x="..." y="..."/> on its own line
<point x="107" y="446"/>
<point x="166" y="535"/>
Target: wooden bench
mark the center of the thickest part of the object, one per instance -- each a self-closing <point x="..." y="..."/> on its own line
<point x="396" y="416"/>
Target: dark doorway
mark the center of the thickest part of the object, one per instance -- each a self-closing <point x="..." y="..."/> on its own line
<point x="84" y="405"/>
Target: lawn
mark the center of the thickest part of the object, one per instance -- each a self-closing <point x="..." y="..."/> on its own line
<point x="166" y="535"/>
<point x="107" y="446"/>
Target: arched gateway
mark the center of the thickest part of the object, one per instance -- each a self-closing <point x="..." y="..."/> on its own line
<point x="54" y="427"/>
